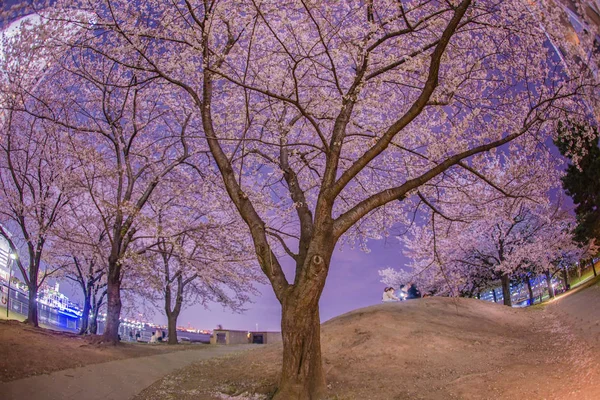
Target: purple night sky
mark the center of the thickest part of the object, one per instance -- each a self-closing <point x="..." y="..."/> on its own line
<point x="353" y="282"/>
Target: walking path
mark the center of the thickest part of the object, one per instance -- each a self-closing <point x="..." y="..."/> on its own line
<point x="580" y="307"/>
<point x="114" y="380"/>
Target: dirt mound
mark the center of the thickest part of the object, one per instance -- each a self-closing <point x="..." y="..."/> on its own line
<point x="434" y="348"/>
<point x="439" y="348"/>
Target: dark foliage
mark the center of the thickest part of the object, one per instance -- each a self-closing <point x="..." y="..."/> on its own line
<point x="582" y="182"/>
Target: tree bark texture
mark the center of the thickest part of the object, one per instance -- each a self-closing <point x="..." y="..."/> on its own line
<point x="32" y="313"/>
<point x="93" y="325"/>
<point x="113" y="312"/>
<point x="173" y="314"/>
<point x="565" y="276"/>
<point x="302" y="376"/>
<point x="505" y="279"/>
<point x="96" y="304"/>
<point x="85" y="316"/>
<point x="172" y="319"/>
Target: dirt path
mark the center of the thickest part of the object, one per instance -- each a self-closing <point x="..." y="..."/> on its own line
<point x="580" y="309"/>
<point x="579" y="314"/>
<point x="114" y="380"/>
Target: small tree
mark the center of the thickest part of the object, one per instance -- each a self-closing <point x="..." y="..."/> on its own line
<point x="196" y="252"/>
<point x="82" y="246"/>
<point x="475" y="236"/>
<point x="34" y="194"/>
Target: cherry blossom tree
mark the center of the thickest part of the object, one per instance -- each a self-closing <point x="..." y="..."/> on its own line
<point x="82" y="246"/>
<point x="125" y="138"/>
<point x="325" y="119"/>
<point x="560" y="248"/>
<point x="473" y="236"/>
<point x="34" y="193"/>
<point x="34" y="190"/>
<point x="195" y="252"/>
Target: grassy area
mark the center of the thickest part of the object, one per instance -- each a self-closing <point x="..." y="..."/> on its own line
<point x="589" y="274"/>
<point x="11" y="315"/>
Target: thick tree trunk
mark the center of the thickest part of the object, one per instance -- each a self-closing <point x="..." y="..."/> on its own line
<point x="549" y="284"/>
<point x="172" y="328"/>
<point x="531" y="298"/>
<point x="173" y="314"/>
<point x="85" y="316"/>
<point x="471" y="293"/>
<point x="505" y="279"/>
<point x="302" y="376"/>
<point x="113" y="304"/>
<point x="32" y="313"/>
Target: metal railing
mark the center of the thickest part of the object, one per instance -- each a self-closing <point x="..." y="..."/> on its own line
<point x="46" y="315"/>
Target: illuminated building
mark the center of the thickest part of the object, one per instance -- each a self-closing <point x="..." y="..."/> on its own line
<point x="4" y="259"/>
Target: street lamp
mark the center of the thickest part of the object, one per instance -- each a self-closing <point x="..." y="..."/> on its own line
<point x="13" y="257"/>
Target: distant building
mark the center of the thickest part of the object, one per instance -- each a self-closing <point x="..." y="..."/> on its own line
<point x="265" y="337"/>
<point x="4" y="259"/>
<point x="591" y="9"/>
<point x="580" y="49"/>
<point x="226" y="336"/>
<point x="582" y="29"/>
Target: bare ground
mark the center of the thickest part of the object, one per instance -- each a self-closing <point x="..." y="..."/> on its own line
<point x="27" y="351"/>
<point x="434" y="348"/>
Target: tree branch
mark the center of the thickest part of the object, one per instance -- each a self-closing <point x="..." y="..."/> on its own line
<point x="416" y="108"/>
<point x="347" y="219"/>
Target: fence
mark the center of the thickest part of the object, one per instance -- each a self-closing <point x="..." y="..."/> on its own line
<point x="19" y="304"/>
